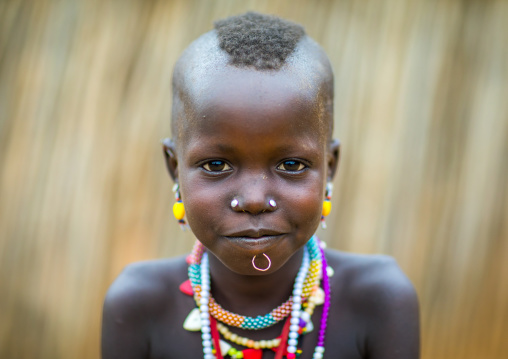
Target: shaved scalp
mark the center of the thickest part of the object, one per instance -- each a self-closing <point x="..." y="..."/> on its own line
<point x="251" y="42"/>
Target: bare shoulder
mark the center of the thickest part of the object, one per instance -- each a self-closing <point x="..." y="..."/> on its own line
<point x="138" y="302"/>
<point x="371" y="278"/>
<point x="381" y="301"/>
<point x="144" y="286"/>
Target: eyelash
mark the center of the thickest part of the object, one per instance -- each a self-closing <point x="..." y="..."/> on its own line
<point x="226" y="167"/>
<point x="301" y="166"/>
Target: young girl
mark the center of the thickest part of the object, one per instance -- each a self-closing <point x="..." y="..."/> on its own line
<point x="252" y="158"/>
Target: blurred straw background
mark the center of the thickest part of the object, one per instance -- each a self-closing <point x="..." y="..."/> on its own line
<point x="421" y="110"/>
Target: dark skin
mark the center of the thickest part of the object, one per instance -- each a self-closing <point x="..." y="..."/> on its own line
<point x="256" y="136"/>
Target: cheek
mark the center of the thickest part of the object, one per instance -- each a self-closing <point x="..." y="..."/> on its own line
<point x="309" y="207"/>
<point x="204" y="206"/>
<point x="303" y="203"/>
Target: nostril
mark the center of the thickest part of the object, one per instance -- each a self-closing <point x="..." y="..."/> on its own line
<point x="253" y="206"/>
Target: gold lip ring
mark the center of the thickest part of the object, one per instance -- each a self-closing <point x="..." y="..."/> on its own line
<point x="260" y="269"/>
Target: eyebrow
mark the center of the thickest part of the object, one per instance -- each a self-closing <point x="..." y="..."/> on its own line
<point x="224" y="147"/>
<point x="216" y="147"/>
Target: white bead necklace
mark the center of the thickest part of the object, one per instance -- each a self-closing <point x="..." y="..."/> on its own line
<point x="206" y="335"/>
<point x="296" y="309"/>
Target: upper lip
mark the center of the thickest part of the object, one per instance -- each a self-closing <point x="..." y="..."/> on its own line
<point x="255" y="233"/>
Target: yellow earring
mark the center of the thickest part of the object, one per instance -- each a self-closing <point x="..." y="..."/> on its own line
<point x="327" y="205"/>
<point x="178" y="208"/>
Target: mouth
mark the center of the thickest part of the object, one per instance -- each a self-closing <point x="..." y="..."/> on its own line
<point x="254" y="233"/>
<point x="255" y="238"/>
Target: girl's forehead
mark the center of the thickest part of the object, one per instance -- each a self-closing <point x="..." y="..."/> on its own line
<point x="264" y="90"/>
<point x="253" y="131"/>
<point x="244" y="93"/>
<point x="230" y="81"/>
<point x="258" y="99"/>
<point x="254" y="107"/>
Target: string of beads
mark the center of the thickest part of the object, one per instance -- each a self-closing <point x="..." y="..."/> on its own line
<point x="262" y="321"/>
<point x="273" y="343"/>
<point x="297" y="315"/>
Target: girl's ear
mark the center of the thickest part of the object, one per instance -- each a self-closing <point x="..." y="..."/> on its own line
<point x="169" y="149"/>
<point x="333" y="158"/>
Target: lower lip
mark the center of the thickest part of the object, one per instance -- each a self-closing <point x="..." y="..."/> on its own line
<point x="259" y="244"/>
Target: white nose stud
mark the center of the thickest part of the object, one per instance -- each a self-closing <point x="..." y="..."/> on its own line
<point x="234" y="203"/>
<point x="272" y="203"/>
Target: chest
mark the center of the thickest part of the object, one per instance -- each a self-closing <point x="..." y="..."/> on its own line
<point x="168" y="339"/>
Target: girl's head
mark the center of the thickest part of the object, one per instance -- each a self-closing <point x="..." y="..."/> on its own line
<point x="252" y="127"/>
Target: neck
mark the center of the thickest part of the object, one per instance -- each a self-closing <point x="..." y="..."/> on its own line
<point x="253" y="295"/>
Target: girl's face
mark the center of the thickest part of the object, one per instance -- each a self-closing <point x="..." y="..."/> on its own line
<point x="254" y="137"/>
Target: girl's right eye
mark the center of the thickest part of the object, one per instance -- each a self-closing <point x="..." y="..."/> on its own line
<point x="216" y="166"/>
<point x="291" y="166"/>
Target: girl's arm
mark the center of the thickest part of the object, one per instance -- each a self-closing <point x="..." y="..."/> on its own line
<point x="124" y="332"/>
<point x="393" y="322"/>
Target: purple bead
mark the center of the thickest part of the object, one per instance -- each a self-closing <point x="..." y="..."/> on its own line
<point x="326" y="304"/>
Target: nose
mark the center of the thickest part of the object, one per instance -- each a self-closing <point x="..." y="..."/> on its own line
<point x="253" y="198"/>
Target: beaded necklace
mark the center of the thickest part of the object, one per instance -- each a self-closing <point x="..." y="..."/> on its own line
<point x="273" y="343"/>
<point x="311" y="281"/>
<point x="200" y="276"/>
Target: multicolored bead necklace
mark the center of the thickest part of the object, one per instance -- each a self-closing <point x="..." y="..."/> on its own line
<point x="200" y="280"/>
<point x="246" y="342"/>
<point x="273" y="343"/>
<point x="311" y="281"/>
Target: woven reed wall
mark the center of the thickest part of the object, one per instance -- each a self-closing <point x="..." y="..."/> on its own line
<point x="421" y="109"/>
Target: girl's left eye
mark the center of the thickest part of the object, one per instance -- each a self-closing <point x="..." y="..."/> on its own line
<point x="216" y="166"/>
<point x="291" y="166"/>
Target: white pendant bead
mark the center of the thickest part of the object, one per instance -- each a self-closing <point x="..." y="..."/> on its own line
<point x="309" y="327"/>
<point x="319" y="297"/>
<point x="305" y="316"/>
<point x="192" y="322"/>
<point x="224" y="346"/>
